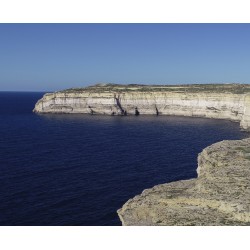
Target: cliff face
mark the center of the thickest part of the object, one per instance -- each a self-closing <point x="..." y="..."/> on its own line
<point x="220" y="102"/>
<point x="219" y="196"/>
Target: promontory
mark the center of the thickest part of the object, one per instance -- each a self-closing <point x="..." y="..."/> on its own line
<point x="220" y="101"/>
<point x="221" y="193"/>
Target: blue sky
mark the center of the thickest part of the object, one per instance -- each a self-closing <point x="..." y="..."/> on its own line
<point x="49" y="57"/>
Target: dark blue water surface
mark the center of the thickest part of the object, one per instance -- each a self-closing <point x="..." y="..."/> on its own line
<point x="79" y="169"/>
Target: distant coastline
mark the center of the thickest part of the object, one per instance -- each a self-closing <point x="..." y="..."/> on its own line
<point x="218" y="101"/>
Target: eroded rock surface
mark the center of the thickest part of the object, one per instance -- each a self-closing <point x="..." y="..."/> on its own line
<point x="219" y="196"/>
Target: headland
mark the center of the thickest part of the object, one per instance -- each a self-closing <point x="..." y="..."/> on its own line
<point x="218" y="101"/>
<point x="221" y="194"/>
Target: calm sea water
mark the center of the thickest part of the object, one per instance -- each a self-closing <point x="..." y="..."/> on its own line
<point x="79" y="169"/>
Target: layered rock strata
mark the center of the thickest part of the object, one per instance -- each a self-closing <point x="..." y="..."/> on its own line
<point x="219" y="196"/>
<point x="228" y="101"/>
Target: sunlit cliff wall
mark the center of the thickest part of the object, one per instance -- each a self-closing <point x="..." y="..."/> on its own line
<point x="167" y="101"/>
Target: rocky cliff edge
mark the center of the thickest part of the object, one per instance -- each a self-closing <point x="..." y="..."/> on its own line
<point x="219" y="196"/>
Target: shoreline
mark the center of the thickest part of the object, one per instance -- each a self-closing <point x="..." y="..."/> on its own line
<point x="220" y="194"/>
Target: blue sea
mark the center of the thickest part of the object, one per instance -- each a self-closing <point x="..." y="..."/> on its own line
<point x="65" y="169"/>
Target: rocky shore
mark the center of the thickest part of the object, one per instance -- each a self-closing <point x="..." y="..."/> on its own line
<point x="221" y="193"/>
<point x="219" y="196"/>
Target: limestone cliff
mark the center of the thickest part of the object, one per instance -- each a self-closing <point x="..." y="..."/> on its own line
<point x="228" y="101"/>
<point x="219" y="196"/>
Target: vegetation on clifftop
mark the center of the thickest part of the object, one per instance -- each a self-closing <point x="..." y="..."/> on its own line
<point x="189" y="88"/>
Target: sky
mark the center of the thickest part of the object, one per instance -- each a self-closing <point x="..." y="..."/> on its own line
<point x="50" y="57"/>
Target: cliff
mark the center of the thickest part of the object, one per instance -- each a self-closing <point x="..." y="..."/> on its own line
<point x="219" y="196"/>
<point x="220" y="101"/>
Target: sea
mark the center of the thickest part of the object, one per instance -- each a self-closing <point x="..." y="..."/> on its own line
<point x="78" y="169"/>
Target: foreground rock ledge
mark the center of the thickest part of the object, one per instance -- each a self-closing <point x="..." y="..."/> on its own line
<point x="219" y="196"/>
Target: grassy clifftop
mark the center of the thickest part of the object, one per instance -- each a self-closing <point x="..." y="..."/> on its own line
<point x="190" y="88"/>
